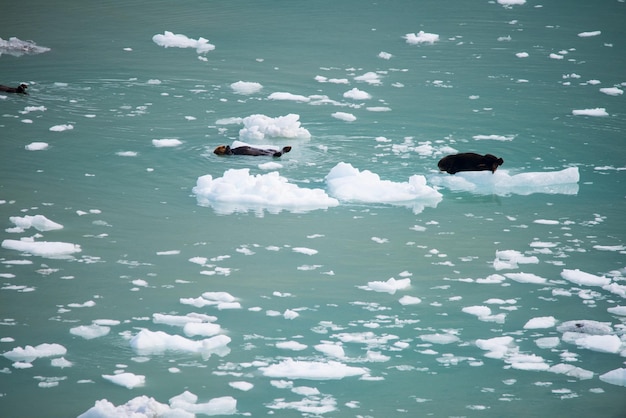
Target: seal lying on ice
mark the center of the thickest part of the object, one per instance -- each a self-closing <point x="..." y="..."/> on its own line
<point x="469" y="161"/>
<point x="248" y="150"/>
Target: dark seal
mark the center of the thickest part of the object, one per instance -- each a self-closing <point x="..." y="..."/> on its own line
<point x="469" y="161"/>
<point x="21" y="89"/>
<point x="248" y="150"/>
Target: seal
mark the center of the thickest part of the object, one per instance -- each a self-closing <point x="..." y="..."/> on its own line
<point x="21" y="89"/>
<point x="469" y="161"/>
<point x="248" y="150"/>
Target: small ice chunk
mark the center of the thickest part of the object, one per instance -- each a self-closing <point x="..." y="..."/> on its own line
<point x="615" y="377"/>
<point x="421" y="38"/>
<point x="540" y="322"/>
<point x="171" y="40"/>
<point x="598" y="111"/>
<point x="167" y="142"/>
<point x="246" y="87"/>
<point x="128" y="380"/>
<point x="37" y="146"/>
<point x="584" y="279"/>
<point x="312" y="370"/>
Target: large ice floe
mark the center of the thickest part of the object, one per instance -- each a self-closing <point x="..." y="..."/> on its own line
<point x="347" y="183"/>
<point x="16" y="47"/>
<point x="502" y="183"/>
<point x="260" y="127"/>
<point x="185" y="405"/>
<point x="240" y="191"/>
<point x="172" y="40"/>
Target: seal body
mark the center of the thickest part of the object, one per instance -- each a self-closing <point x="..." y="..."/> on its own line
<point x="469" y="161"/>
<point x="248" y="150"/>
<point x="21" y="89"/>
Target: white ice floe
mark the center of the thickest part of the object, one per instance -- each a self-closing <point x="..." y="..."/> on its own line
<point x="157" y="342"/>
<point x="494" y="137"/>
<point x="16" y="47"/>
<point x="246" y="87"/>
<point x="311" y="370"/>
<point x="44" y="249"/>
<point x="184" y="405"/>
<point x="571" y="370"/>
<point x="166" y="143"/>
<point x="600" y="343"/>
<point x="39" y="222"/>
<point x="29" y="353"/>
<point x="347" y="183"/>
<point x="585" y="326"/>
<point x="409" y="300"/>
<point x="526" y="278"/>
<point x="508" y="3"/>
<point x="597" y="111"/>
<point x="612" y="91"/>
<point x="291" y="345"/>
<point x="289" y="97"/>
<point x="585" y="279"/>
<point x="89" y="332"/>
<point x="348" y="117"/>
<point x="36" y="146"/>
<point x="589" y="34"/>
<point x="171" y="40"/>
<point x="484" y="314"/>
<point x="440" y="338"/>
<point x="369" y="78"/>
<point x="390" y="286"/>
<point x="502" y="183"/>
<point x="540" y="322"/>
<point x="61" y="128"/>
<point x="617" y="310"/>
<point x="356" y="94"/>
<point x="128" y="380"/>
<point x="238" y="191"/>
<point x="509" y="259"/>
<point x="181" y="320"/>
<point x="615" y="377"/>
<point x="259" y="127"/>
<point x="421" y="38"/>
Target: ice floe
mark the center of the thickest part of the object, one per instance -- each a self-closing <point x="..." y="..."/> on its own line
<point x="246" y="87"/>
<point x="596" y="111"/>
<point x="42" y="248"/>
<point x="16" y="47"/>
<point x="585" y="279"/>
<point x="312" y="370"/>
<point x="171" y="40"/>
<point x="239" y="191"/>
<point x="259" y="127"/>
<point x="347" y="183"/>
<point x="37" y="146"/>
<point x="157" y="342"/>
<point x="184" y="405"/>
<point x="29" y="353"/>
<point x="127" y="380"/>
<point x="421" y="38"/>
<point x="502" y="183"/>
<point x="39" y="222"/>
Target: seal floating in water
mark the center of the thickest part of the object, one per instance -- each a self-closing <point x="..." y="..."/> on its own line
<point x="19" y="89"/>
<point x="248" y="150"/>
<point x="469" y="161"/>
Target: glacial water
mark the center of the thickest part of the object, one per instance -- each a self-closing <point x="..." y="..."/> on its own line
<point x="347" y="278"/>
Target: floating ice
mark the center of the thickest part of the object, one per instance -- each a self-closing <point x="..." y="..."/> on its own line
<point x="589" y="34"/>
<point x="617" y="310"/>
<point x="526" y="278"/>
<point x="238" y="191"/>
<point x="150" y="342"/>
<point x="600" y="343"/>
<point x="508" y="3"/>
<point x="494" y="137"/>
<point x="181" y="320"/>
<point x="42" y="248"/>
<point x="509" y="259"/>
<point x="167" y="142"/>
<point x="348" y="117"/>
<point x="243" y="386"/>
<point x="585" y="279"/>
<point x="29" y="353"/>
<point x="16" y="47"/>
<point x="356" y="94"/>
<point x="182" y="406"/>
<point x="612" y="91"/>
<point x="89" y="332"/>
<point x="585" y="326"/>
<point x="421" y="38"/>
<point x="39" y="222"/>
<point x="128" y="380"/>
<point x="259" y="127"/>
<point x="288" y="97"/>
<point x="496" y="347"/>
<point x="502" y="183"/>
<point x="370" y="78"/>
<point x="37" y="146"/>
<point x="572" y="371"/>
<point x="615" y="377"/>
<point x="540" y="322"/>
<point x="312" y="370"/>
<point x="409" y="300"/>
<point x="598" y="111"/>
<point x="390" y="286"/>
<point x="440" y="338"/>
<point x="291" y="345"/>
<point x="61" y="128"/>
<point x="483" y="313"/>
<point x="169" y="39"/>
<point x="246" y="87"/>
<point x="331" y="350"/>
<point x="349" y="184"/>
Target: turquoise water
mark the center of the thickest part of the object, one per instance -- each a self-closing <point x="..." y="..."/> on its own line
<point x="313" y="276"/>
